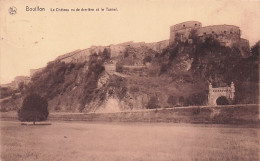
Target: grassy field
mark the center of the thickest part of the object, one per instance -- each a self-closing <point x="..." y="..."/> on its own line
<point x="84" y="141"/>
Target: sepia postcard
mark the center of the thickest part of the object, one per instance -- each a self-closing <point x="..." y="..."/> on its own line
<point x="129" y="80"/>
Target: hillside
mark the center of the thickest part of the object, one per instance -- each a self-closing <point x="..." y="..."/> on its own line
<point x="178" y="75"/>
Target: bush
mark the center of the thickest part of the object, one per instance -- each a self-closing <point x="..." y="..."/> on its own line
<point x="181" y="101"/>
<point x="147" y="59"/>
<point x="5" y="92"/>
<point x="197" y="99"/>
<point x="196" y="111"/>
<point x="153" y="103"/>
<point x="57" y="108"/>
<point x="134" y="89"/>
<point x="34" y="108"/>
<point x="3" y="109"/>
<point x="119" y="68"/>
<point x="172" y="100"/>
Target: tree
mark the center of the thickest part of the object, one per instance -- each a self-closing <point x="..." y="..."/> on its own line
<point x="106" y="54"/>
<point x="197" y="99"/>
<point x="255" y="50"/>
<point x="21" y="86"/>
<point x="147" y="59"/>
<point x="34" y="108"/>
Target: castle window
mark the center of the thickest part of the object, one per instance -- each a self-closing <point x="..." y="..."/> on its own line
<point x="213" y="32"/>
<point x="195" y="24"/>
<point x="204" y="33"/>
<point x="183" y="25"/>
<point x="225" y="32"/>
<point x="230" y="32"/>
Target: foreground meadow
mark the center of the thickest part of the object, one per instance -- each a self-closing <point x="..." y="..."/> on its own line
<point x="84" y="141"/>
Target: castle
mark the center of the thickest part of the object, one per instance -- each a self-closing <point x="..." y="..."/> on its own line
<point x="227" y="35"/>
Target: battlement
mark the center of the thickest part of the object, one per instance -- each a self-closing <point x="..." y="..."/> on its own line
<point x="219" y="30"/>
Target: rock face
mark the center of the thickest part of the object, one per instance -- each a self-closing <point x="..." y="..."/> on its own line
<point x="169" y="73"/>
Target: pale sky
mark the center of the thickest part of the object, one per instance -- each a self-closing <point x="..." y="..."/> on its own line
<point x="29" y="40"/>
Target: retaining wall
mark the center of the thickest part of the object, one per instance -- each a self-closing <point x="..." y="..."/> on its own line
<point x="230" y="114"/>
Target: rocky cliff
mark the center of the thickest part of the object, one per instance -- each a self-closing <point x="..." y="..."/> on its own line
<point x="145" y="76"/>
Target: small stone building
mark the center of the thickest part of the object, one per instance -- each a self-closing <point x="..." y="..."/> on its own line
<point x="227" y="93"/>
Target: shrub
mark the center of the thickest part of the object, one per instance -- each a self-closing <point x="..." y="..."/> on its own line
<point x="134" y="89"/>
<point x="3" y="109"/>
<point x="119" y="68"/>
<point x="34" y="108"/>
<point x="196" y="111"/>
<point x="172" y="100"/>
<point x="197" y="99"/>
<point x="5" y="92"/>
<point x="57" y="108"/>
<point x="181" y="100"/>
<point x="153" y="103"/>
<point x="147" y="59"/>
<point x="105" y="55"/>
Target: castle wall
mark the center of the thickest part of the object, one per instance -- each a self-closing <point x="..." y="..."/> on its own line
<point x="115" y="50"/>
<point x="185" y="25"/>
<point x="20" y="79"/>
<point x="80" y="55"/>
<point x="226" y="34"/>
<point x="134" y="70"/>
<point x="183" y="34"/>
<point x="64" y="56"/>
<point x="35" y="71"/>
<point x="119" y="49"/>
<point x="183" y="29"/>
<point x="244" y="47"/>
<point x="110" y="68"/>
<point x="158" y="46"/>
<point x="228" y="30"/>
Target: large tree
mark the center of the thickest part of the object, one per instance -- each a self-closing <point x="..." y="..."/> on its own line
<point x="34" y="108"/>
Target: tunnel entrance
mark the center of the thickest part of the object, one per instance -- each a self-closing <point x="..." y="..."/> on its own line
<point x="222" y="101"/>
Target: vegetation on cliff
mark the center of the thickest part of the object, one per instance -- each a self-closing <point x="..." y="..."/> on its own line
<point x="144" y="78"/>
